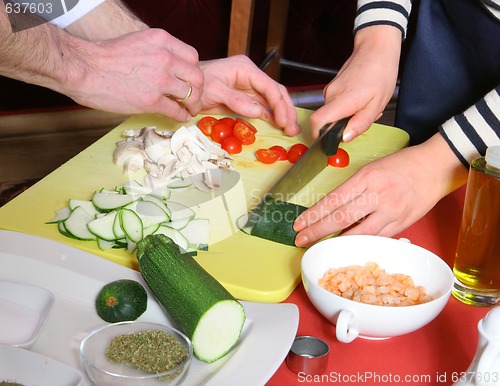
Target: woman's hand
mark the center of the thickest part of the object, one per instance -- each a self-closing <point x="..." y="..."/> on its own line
<point x="387" y="195"/>
<point x="364" y="84"/>
<point x="237" y="84"/>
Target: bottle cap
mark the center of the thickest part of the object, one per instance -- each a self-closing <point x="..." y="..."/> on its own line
<point x="493" y="156"/>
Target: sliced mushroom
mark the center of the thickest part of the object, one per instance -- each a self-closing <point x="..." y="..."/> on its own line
<point x="129" y="154"/>
<point x="156" y="145"/>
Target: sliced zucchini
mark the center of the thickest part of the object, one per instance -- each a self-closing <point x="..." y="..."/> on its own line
<point x="102" y="227"/>
<point x="149" y="212"/>
<point x="61" y="215"/>
<point x="180" y="183"/>
<point x="76" y="224"/>
<point x="105" y="244"/>
<point x="131" y="224"/>
<point x="87" y="205"/>
<point x="179" y="211"/>
<point x="176" y="236"/>
<point x="106" y="201"/>
<point x="178" y="224"/>
<point x="158" y="201"/>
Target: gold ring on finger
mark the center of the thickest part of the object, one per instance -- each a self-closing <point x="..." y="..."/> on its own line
<point x="190" y="90"/>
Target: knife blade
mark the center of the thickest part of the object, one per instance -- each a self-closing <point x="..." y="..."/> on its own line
<point x="312" y="162"/>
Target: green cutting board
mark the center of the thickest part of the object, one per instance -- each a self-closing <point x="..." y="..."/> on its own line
<point x="250" y="268"/>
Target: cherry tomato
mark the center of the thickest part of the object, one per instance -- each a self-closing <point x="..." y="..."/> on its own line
<point x="267" y="156"/>
<point x="232" y="145"/>
<point x="247" y="124"/>
<point x="282" y="152"/>
<point x="340" y="159"/>
<point x="228" y="121"/>
<point x="220" y="131"/>
<point x="243" y="133"/>
<point x="296" y="152"/>
<point x="205" y="124"/>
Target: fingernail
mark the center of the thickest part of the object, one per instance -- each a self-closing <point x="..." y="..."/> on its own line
<point x="299" y="224"/>
<point x="301" y="241"/>
<point x="348" y="135"/>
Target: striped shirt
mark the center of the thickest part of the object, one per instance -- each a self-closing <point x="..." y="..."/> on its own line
<point x="470" y="133"/>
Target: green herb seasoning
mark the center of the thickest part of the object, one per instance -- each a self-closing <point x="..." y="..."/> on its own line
<point x="151" y="351"/>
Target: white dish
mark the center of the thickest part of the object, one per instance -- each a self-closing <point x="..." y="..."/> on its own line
<point x="24" y="309"/>
<point x="28" y="368"/>
<point x="75" y="277"/>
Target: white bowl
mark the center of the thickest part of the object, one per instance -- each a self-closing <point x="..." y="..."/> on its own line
<point x="19" y="365"/>
<point x="23" y="312"/>
<point x="102" y="372"/>
<point x="353" y="319"/>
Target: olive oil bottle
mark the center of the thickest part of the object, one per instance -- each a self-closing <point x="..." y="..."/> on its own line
<point x="477" y="259"/>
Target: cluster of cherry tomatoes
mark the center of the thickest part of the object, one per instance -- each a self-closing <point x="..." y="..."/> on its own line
<point x="231" y="133"/>
<point x="279" y="153"/>
<point x="234" y="133"/>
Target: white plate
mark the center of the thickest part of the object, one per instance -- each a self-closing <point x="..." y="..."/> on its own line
<point x="75" y="277"/>
<point x="23" y="312"/>
<point x="28" y="368"/>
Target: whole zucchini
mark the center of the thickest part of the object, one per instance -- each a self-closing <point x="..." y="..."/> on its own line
<point x="193" y="299"/>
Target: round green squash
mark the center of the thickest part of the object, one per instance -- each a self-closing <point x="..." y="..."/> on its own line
<point x="121" y="300"/>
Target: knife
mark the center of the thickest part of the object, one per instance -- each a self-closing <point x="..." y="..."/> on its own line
<point x="312" y="162"/>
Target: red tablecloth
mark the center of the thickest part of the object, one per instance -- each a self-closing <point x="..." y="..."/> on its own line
<point x="433" y="355"/>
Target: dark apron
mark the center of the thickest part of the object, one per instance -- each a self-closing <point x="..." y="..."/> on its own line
<point x="452" y="62"/>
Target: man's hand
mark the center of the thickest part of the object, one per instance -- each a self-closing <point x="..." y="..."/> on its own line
<point x="237" y="84"/>
<point x="140" y="72"/>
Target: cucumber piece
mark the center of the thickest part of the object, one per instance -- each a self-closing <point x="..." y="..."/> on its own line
<point x="61" y="215"/>
<point x="102" y="227"/>
<point x="87" y="205"/>
<point x="150" y="230"/>
<point x="105" y="244"/>
<point x="275" y="222"/>
<point x="131" y="224"/>
<point x="179" y="211"/>
<point x="62" y="230"/>
<point x="134" y="188"/>
<point x="178" y="224"/>
<point x="149" y="212"/>
<point x="176" y="236"/>
<point x="194" y="300"/>
<point x="106" y="201"/>
<point x="158" y="201"/>
<point x="117" y="226"/>
<point x="77" y="224"/>
<point x="180" y="183"/>
<point x="197" y="233"/>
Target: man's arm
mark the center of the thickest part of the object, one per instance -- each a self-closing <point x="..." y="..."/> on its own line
<point x="96" y="25"/>
<point x="38" y="55"/>
<point x="139" y="72"/>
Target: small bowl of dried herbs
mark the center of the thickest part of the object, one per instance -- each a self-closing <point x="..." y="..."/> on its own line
<point x="135" y="353"/>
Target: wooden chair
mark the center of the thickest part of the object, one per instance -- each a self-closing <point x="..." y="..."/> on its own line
<point x="240" y="32"/>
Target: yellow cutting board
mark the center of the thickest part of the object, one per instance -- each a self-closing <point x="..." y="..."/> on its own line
<point x="250" y="268"/>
